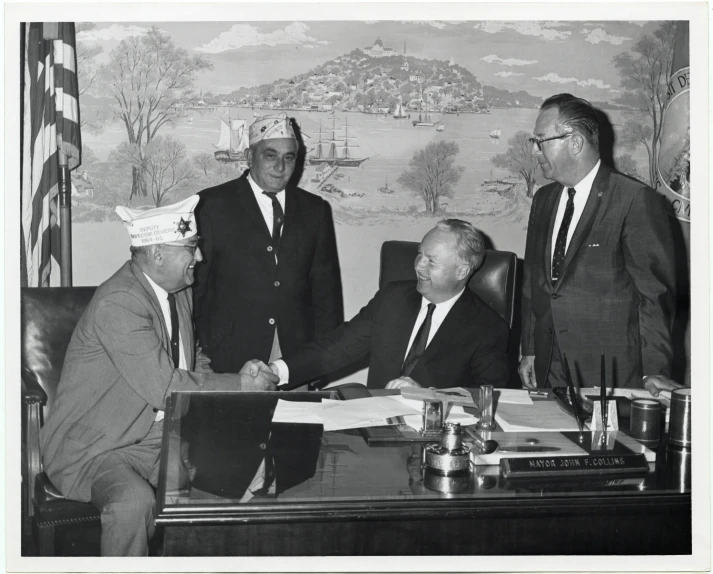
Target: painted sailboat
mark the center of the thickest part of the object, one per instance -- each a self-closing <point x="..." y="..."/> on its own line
<point x="440" y="126"/>
<point x="399" y="111"/>
<point x="233" y="141"/>
<point x="495" y="134"/>
<point x="336" y="150"/>
<point x="385" y="188"/>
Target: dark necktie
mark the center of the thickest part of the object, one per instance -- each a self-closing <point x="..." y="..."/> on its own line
<point x="175" y="354"/>
<point x="418" y="347"/>
<point x="278" y="216"/>
<point x="561" y="243"/>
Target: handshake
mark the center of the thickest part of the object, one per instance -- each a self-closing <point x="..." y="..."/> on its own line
<point x="257" y="376"/>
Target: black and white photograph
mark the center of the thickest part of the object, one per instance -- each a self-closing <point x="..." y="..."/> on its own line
<point x="357" y="286"/>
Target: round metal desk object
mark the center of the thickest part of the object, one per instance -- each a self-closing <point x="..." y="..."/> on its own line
<point x="679" y="427"/>
<point x="450" y="456"/>
<point x="445" y="484"/>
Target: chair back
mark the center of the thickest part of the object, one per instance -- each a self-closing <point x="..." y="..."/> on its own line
<point x="494" y="282"/>
<point x="48" y="316"/>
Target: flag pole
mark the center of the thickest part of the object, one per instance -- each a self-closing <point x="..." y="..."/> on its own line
<point x="65" y="220"/>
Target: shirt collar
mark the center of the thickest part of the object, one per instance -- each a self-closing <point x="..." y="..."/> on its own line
<point x="585" y="186"/>
<point x="445" y="305"/>
<point x="257" y="190"/>
<point x="161" y="293"/>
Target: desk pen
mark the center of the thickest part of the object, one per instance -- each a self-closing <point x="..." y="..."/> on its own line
<point x="603" y="395"/>
<point x="573" y="397"/>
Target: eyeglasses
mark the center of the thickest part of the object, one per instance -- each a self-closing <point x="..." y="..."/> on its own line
<point x="192" y="247"/>
<point x="538" y="142"/>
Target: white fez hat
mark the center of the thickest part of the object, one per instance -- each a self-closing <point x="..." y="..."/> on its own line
<point x="162" y="224"/>
<point x="271" y="127"/>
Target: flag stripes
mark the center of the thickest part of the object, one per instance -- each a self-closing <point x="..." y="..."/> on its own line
<point x="50" y="124"/>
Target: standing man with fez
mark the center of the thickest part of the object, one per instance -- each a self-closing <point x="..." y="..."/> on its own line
<point x="599" y="263"/>
<point x="270" y="279"/>
<point x="132" y="346"/>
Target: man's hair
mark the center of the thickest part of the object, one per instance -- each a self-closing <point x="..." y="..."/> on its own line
<point x="470" y="243"/>
<point x="575" y="114"/>
<point x="138" y="251"/>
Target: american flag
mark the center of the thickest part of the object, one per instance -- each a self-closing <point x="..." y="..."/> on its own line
<point x="50" y="123"/>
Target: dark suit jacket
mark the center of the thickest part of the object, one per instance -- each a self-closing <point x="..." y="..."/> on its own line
<point x="616" y="293"/>
<point x="116" y="375"/>
<point x="242" y="295"/>
<point x="468" y="350"/>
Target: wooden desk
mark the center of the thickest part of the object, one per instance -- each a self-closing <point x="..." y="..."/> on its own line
<point x="337" y="496"/>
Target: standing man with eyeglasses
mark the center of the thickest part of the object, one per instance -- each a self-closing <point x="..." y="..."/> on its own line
<point x="599" y="263"/>
<point x="270" y="280"/>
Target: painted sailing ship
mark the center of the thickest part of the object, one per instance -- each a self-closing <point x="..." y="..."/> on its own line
<point x="385" y="188"/>
<point x="336" y="150"/>
<point x="495" y="134"/>
<point x="233" y="141"/>
<point x="425" y="120"/>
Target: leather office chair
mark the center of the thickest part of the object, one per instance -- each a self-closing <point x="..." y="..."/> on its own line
<point x="494" y="282"/>
<point x="60" y="527"/>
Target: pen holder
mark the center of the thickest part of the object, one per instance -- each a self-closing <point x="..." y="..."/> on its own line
<point x="612" y="416"/>
<point x="486" y="421"/>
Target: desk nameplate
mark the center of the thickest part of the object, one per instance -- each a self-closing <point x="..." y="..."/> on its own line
<point x="574" y="466"/>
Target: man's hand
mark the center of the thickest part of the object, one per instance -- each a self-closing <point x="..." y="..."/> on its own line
<point x="657" y="383"/>
<point x="257" y="376"/>
<point x="402" y="382"/>
<point x="526" y="370"/>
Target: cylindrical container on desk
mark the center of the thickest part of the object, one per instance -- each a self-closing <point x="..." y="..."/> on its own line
<point x="678" y="468"/>
<point x="679" y="425"/>
<point x="486" y="421"/>
<point x="645" y="421"/>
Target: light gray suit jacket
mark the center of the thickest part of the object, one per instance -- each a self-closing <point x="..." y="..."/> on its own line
<point x="117" y="374"/>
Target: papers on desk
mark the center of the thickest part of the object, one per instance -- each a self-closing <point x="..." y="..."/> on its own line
<point x="513" y="396"/>
<point x="538" y="416"/>
<point x="356" y="413"/>
<point x="453" y="414"/>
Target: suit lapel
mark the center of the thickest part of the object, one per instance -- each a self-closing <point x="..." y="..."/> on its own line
<point x="454" y="324"/>
<point x="403" y="331"/>
<point x="151" y="294"/>
<point x="248" y="204"/>
<point x="599" y="187"/>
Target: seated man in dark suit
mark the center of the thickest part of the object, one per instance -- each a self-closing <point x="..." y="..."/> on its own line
<point x="432" y="332"/>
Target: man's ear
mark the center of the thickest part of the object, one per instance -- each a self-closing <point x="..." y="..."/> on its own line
<point x="249" y="156"/>
<point x="577" y="143"/>
<point x="156" y="254"/>
<point x="463" y="271"/>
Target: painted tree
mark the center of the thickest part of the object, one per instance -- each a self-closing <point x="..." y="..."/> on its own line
<point x="204" y="161"/>
<point x="93" y="117"/>
<point x="519" y="160"/>
<point x="147" y="77"/>
<point x="432" y="173"/>
<point x="644" y="75"/>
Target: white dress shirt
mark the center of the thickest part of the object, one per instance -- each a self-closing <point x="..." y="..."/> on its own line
<point x="162" y="296"/>
<point x="439" y="314"/>
<point x="580" y="200"/>
<point x="265" y="203"/>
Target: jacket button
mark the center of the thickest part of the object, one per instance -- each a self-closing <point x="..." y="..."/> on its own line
<point x="269" y="248"/>
<point x="555" y="296"/>
<point x="155" y="410"/>
<point x="263" y="446"/>
<point x="137" y="441"/>
<point x="271" y="321"/>
<point x="277" y="283"/>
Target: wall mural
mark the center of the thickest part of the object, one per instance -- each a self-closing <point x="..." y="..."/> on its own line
<point x="381" y="106"/>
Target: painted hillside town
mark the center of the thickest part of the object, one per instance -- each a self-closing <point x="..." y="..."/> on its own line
<point x="369" y="115"/>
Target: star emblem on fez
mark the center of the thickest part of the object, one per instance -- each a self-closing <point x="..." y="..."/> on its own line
<point x="183" y="227"/>
<point x="263" y="128"/>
